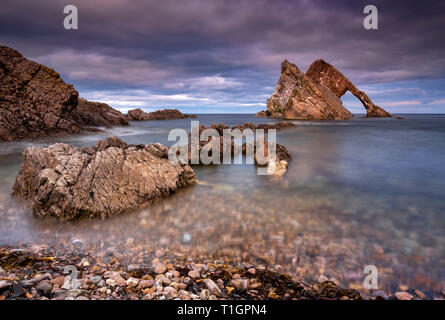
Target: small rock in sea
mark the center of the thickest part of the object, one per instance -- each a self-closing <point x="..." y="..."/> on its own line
<point x="159" y="253"/>
<point x="58" y="281"/>
<point x="108" y="291"/>
<point x="194" y="274"/>
<point x="170" y="292"/>
<point x="213" y="297"/>
<point x="160" y="268"/>
<point x="110" y="282"/>
<point x="186" y="238"/>
<point x="212" y="286"/>
<point x="322" y="279"/>
<point x="255" y="285"/>
<point x="143" y="284"/>
<point x="5" y="284"/>
<point x="194" y="296"/>
<point x="240" y="284"/>
<point x="164" y="280"/>
<point x="132" y="282"/>
<point x="114" y="275"/>
<point x="205" y="294"/>
<point x="403" y="296"/>
<point x="381" y="294"/>
<point x="44" y="287"/>
<point x="101" y="283"/>
<point x="187" y="280"/>
<point x="172" y="274"/>
<point x="133" y="267"/>
<point x="86" y="264"/>
<point x="251" y="271"/>
<point x="403" y="287"/>
<point x="95" y="279"/>
<point x="78" y="243"/>
<point x="220" y="283"/>
<point x="82" y="298"/>
<point x="420" y="294"/>
<point x="67" y="284"/>
<point x="2" y="272"/>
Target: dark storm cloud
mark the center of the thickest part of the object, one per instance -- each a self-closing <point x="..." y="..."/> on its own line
<point x="221" y="52"/>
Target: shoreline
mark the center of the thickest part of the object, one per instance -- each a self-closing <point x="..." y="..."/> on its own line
<point x="110" y="276"/>
<point x="44" y="272"/>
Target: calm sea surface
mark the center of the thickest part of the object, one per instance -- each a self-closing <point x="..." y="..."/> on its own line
<point x="359" y="192"/>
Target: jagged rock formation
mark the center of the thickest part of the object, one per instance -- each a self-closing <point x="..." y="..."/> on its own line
<point x="33" y="98"/>
<point x="137" y="115"/>
<point x="327" y="75"/>
<point x="90" y="113"/>
<point x="166" y="114"/>
<point x="35" y="101"/>
<point x="111" y="177"/>
<point x="297" y="96"/>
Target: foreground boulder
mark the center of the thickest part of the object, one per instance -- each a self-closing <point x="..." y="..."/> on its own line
<point x="35" y="101"/>
<point x="297" y="96"/>
<point x="327" y="75"/>
<point x="111" y="177"/>
<point x="166" y="114"/>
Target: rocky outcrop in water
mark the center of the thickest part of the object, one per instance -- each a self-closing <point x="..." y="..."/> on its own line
<point x="111" y="177"/>
<point x="327" y="75"/>
<point x="282" y="154"/>
<point x="89" y="113"/>
<point x="166" y="114"/>
<point x="35" y="101"/>
<point x="297" y="96"/>
<point x="315" y="95"/>
<point x="266" y="126"/>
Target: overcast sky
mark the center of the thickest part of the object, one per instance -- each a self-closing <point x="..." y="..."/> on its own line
<point x="224" y="56"/>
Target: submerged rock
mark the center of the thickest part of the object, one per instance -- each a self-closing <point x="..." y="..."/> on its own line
<point x="297" y="96"/>
<point x="166" y="114"/>
<point x="327" y="75"/>
<point x="35" y="101"/>
<point x="106" y="179"/>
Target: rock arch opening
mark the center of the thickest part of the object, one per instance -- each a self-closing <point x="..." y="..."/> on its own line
<point x="327" y="75"/>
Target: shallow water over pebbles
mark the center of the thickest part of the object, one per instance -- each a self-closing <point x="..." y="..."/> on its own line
<point x="358" y="192"/>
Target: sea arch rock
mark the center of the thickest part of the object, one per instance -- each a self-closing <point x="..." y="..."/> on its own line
<point x="297" y="96"/>
<point x="327" y="75"/>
